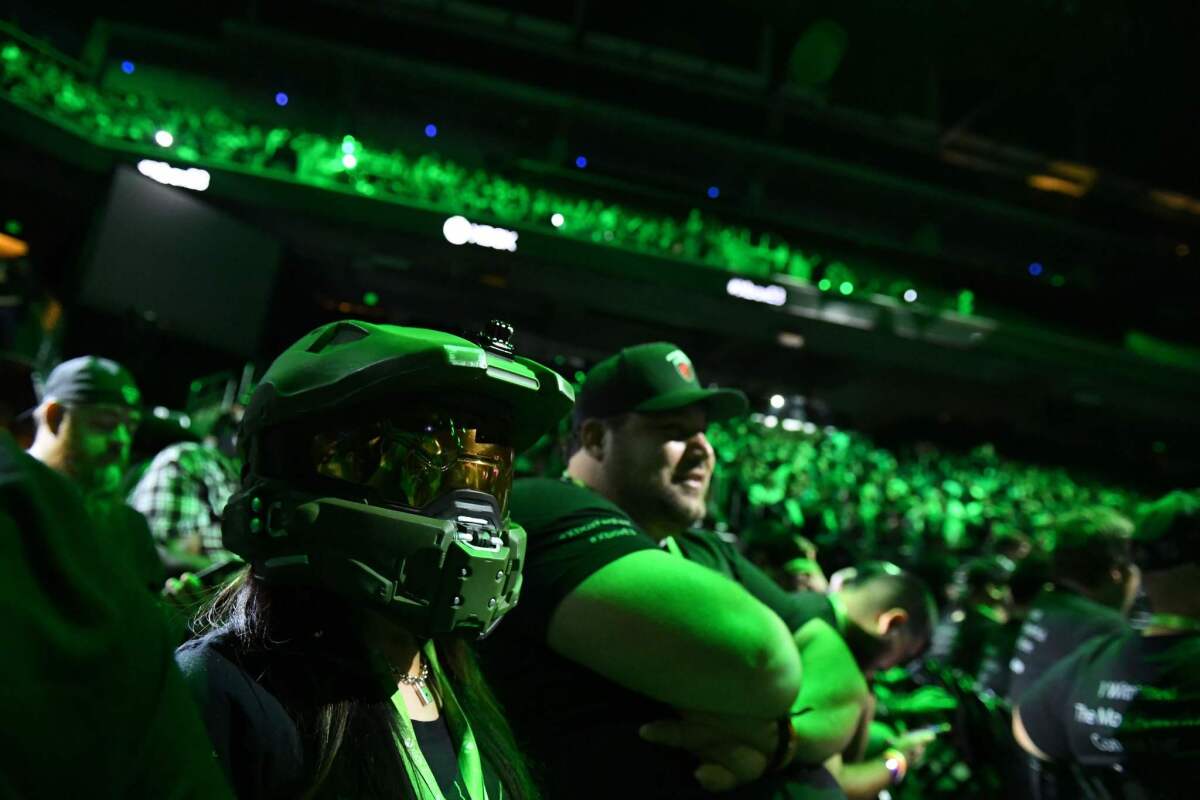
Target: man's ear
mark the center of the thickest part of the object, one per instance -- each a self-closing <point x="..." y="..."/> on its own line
<point x="592" y="438"/>
<point x="52" y="415"/>
<point x="892" y="620"/>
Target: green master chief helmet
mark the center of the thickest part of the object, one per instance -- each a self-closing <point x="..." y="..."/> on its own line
<point x="378" y="463"/>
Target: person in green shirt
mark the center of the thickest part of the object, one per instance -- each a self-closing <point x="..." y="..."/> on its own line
<point x="373" y="515"/>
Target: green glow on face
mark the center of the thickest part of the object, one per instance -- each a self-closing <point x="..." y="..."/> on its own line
<point x="824" y="284"/>
<point x="370" y="299"/>
<point x="846" y="287"/>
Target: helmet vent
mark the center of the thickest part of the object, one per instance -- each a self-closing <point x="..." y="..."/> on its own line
<point x="341" y="333"/>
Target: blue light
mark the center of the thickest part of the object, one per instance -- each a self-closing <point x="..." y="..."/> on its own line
<point x="1035" y="269"/>
<point x="581" y="161"/>
<point x="431" y="130"/>
<point x="127" y="67"/>
<point x="281" y="98"/>
<point x="714" y="192"/>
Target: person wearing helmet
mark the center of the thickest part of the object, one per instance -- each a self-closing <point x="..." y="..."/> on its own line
<point x="373" y="516"/>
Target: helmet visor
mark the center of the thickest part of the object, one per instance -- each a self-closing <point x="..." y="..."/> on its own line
<point x="413" y="459"/>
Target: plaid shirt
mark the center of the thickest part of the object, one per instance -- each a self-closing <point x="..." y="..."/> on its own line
<point x="183" y="493"/>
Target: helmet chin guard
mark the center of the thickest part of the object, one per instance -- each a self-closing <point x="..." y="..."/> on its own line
<point x="451" y="568"/>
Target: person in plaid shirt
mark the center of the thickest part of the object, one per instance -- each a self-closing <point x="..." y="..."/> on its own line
<point x="182" y="495"/>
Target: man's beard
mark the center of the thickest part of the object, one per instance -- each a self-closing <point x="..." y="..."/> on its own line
<point x="672" y="508"/>
<point x="93" y="474"/>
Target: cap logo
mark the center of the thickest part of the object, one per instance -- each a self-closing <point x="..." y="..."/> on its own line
<point x="682" y="364"/>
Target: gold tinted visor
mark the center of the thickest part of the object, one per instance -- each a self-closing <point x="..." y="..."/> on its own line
<point x="413" y="460"/>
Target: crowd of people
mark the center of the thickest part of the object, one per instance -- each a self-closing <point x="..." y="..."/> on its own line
<point x="920" y="505"/>
<point x="364" y="602"/>
<point x="241" y="140"/>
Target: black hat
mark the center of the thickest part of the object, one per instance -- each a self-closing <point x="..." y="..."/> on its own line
<point x="651" y="377"/>
<point x="1168" y="532"/>
<point x="90" y="380"/>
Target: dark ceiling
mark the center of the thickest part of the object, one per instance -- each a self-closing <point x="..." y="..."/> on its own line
<point x="899" y="134"/>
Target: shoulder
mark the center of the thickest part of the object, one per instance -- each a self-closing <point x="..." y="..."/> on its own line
<point x="182" y="456"/>
<point x="707" y="548"/>
<point x="542" y="503"/>
<point x="252" y="734"/>
<point x="209" y="669"/>
<point x="22" y="474"/>
<point x="550" y="506"/>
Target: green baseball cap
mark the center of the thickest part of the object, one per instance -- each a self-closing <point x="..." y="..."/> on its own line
<point x="657" y="376"/>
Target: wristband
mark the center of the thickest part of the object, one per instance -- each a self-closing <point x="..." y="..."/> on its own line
<point x="896" y="764"/>
<point x="785" y="735"/>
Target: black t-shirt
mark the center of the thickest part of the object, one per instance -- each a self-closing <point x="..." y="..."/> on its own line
<point x="998" y="645"/>
<point x="92" y="703"/>
<point x="437" y="746"/>
<point x="794" y="608"/>
<point x="959" y="638"/>
<point x="1059" y="622"/>
<point x="579" y="729"/>
<point x="1126" y="709"/>
<point x="258" y="742"/>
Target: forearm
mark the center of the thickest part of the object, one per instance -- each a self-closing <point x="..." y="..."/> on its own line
<point x="865" y="780"/>
<point x="832" y="697"/>
<point x="822" y="732"/>
<point x="681" y="634"/>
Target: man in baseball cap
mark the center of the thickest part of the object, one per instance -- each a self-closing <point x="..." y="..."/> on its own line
<point x="628" y="619"/>
<point x="638" y="435"/>
<point x="89" y="411"/>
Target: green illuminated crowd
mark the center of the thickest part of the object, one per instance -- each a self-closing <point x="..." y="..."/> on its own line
<point x="844" y="492"/>
<point x="220" y="138"/>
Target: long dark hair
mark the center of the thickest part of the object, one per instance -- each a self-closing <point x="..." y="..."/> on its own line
<point x="297" y="643"/>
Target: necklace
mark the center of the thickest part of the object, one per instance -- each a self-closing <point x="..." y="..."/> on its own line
<point x="417" y="682"/>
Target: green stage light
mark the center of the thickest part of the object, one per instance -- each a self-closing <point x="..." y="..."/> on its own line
<point x="846" y="287"/>
<point x="824" y="284"/>
<point x="370" y="299"/>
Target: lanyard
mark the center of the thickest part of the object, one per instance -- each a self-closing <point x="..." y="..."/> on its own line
<point x="672" y="546"/>
<point x="469" y="766"/>
<point x="1175" y="622"/>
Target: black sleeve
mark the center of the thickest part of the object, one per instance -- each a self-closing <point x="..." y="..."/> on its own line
<point x="572" y="534"/>
<point x="252" y="736"/>
<point x="1045" y="706"/>
<point x="794" y="609"/>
